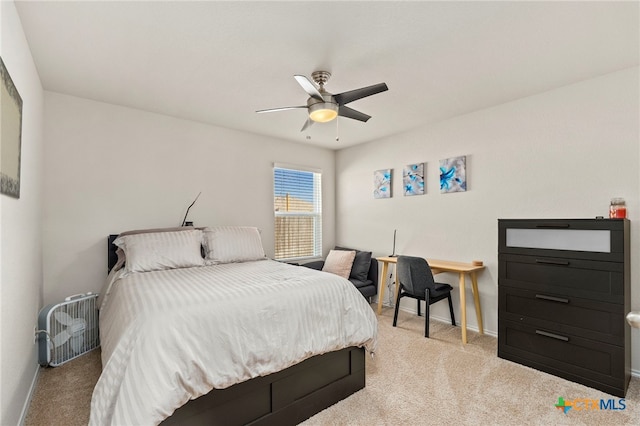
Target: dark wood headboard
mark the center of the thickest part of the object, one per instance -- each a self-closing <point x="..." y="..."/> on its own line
<point x="111" y="250"/>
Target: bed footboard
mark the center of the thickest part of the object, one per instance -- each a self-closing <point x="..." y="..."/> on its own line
<point x="287" y="397"/>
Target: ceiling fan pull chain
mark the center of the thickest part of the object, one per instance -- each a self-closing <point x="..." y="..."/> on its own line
<point x="337" y="129"/>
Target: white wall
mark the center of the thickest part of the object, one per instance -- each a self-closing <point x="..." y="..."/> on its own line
<point x="110" y="169"/>
<point x="20" y="230"/>
<point x="561" y="154"/>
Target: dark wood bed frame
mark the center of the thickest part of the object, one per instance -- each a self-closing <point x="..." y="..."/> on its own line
<point x="287" y="397"/>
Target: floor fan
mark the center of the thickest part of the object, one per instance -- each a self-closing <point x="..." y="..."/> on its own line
<point x="67" y="330"/>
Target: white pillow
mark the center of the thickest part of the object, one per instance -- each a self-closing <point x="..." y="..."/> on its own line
<point x="339" y="262"/>
<point x="228" y="244"/>
<point x="157" y="251"/>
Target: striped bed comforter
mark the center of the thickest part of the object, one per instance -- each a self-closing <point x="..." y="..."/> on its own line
<point x="171" y="336"/>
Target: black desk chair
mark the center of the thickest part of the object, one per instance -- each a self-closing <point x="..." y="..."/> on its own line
<point x="416" y="281"/>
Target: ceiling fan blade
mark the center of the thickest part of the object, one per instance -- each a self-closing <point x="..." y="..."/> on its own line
<point x="307" y="124"/>
<point x="308" y="87"/>
<point x="280" y="109"/>
<point x="345" y="111"/>
<point x="353" y="95"/>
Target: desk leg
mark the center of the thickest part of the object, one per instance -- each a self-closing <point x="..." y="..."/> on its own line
<point x="463" y="309"/>
<point x="476" y="299"/>
<point x="382" y="284"/>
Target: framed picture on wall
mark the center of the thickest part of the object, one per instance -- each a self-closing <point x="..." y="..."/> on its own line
<point x="453" y="175"/>
<point x="413" y="179"/>
<point x="10" y="135"/>
<point x="382" y="183"/>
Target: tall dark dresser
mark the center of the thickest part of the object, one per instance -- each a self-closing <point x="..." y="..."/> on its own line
<point x="564" y="291"/>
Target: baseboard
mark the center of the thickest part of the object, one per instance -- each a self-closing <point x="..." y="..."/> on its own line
<point x="448" y="321"/>
<point x="27" y="403"/>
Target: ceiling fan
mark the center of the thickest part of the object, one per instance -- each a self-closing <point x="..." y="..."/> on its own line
<point x="323" y="106"/>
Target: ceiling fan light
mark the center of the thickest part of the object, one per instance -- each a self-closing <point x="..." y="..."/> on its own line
<point x="323" y="112"/>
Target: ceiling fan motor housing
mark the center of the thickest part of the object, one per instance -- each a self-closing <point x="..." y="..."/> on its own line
<point x="322" y="112"/>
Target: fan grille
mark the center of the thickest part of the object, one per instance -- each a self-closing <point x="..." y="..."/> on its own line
<point x="70" y="330"/>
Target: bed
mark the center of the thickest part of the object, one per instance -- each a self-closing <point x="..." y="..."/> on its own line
<point x="232" y="340"/>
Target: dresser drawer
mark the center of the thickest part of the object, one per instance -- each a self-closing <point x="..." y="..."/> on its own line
<point x="565" y="315"/>
<point x="602" y="281"/>
<point x="590" y="239"/>
<point x="585" y="361"/>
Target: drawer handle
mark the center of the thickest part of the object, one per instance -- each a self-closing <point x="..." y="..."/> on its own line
<point x="553" y="336"/>
<point x="553" y="262"/>
<point x="552" y="298"/>
<point x="553" y="225"/>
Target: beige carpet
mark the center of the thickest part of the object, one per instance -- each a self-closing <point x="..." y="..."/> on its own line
<point x="411" y="380"/>
<point x="63" y="394"/>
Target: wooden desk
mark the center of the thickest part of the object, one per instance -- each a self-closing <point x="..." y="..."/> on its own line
<point x="438" y="266"/>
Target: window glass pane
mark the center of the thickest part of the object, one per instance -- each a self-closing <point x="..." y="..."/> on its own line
<point x="298" y="213"/>
<point x="293" y="190"/>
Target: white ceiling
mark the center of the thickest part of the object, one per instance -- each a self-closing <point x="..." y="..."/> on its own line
<point x="219" y="62"/>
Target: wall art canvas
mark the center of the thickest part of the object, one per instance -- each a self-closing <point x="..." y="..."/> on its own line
<point x="413" y="179"/>
<point x="382" y="183"/>
<point x="10" y="135"/>
<point x="453" y="175"/>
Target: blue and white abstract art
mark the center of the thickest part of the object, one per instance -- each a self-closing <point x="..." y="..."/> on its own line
<point x="382" y="183"/>
<point x="453" y="175"/>
<point x="413" y="179"/>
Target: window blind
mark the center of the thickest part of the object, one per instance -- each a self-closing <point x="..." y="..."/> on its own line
<point x="297" y="205"/>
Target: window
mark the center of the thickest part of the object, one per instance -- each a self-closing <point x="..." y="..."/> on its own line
<point x="297" y="205"/>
